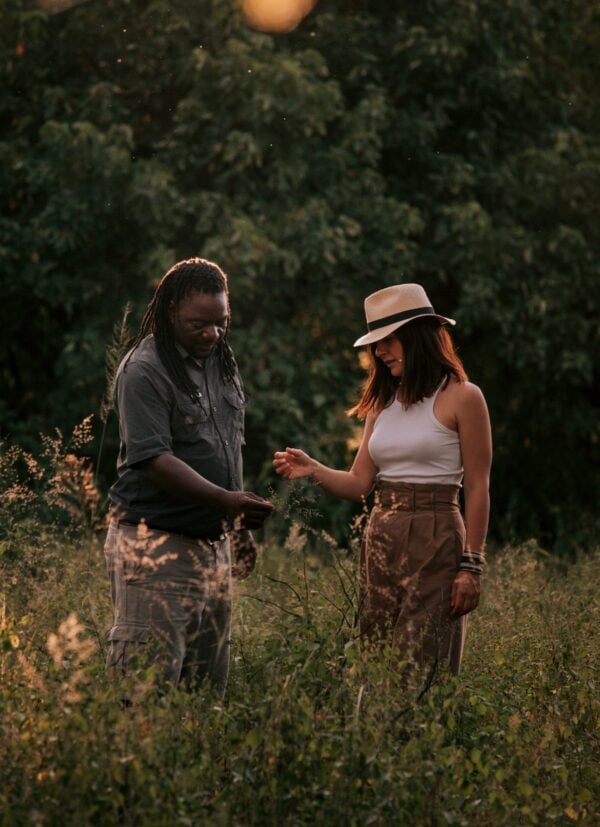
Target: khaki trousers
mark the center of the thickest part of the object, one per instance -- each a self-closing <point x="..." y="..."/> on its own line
<point x="411" y="552"/>
<point x="172" y="605"/>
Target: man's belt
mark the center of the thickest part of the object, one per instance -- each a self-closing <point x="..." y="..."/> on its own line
<point x="211" y="537"/>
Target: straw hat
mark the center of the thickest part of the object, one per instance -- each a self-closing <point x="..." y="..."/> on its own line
<point x="390" y="308"/>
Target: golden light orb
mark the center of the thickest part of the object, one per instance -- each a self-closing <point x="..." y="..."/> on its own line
<point x="275" y="15"/>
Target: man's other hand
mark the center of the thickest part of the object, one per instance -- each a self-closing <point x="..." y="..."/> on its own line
<point x="250" y="508"/>
<point x="243" y="553"/>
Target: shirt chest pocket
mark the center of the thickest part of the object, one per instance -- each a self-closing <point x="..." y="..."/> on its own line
<point x="234" y="409"/>
<point x="188" y="420"/>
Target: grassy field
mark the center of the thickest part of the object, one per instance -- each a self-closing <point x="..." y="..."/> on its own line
<point x="313" y="730"/>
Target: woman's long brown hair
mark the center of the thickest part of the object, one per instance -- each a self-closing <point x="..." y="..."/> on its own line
<point x="429" y="360"/>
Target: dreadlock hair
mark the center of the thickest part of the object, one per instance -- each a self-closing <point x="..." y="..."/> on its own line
<point x="429" y="360"/>
<point x="193" y="275"/>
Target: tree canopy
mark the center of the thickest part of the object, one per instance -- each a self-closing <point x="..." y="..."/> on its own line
<point x="452" y="144"/>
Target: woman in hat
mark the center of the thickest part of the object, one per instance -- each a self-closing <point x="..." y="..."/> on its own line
<point x="427" y="432"/>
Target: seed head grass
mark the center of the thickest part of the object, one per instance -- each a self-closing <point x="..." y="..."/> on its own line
<point x="314" y="728"/>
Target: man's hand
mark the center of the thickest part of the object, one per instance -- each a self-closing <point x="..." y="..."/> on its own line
<point x="174" y="475"/>
<point x="250" y="508"/>
<point x="465" y="593"/>
<point x="243" y="553"/>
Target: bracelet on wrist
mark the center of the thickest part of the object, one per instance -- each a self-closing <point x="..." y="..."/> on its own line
<point x="472" y="561"/>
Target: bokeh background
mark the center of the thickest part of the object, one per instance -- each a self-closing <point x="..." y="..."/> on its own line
<point x="363" y="144"/>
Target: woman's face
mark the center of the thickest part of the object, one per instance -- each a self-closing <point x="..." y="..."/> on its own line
<point x="391" y="353"/>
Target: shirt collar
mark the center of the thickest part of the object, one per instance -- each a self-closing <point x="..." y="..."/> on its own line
<point x="199" y="363"/>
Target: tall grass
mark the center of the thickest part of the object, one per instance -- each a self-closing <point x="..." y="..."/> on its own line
<point x="313" y="729"/>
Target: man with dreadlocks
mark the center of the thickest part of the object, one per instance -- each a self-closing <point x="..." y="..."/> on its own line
<point x="178" y="498"/>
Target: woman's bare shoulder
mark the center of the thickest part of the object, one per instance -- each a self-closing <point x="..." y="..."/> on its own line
<point x="468" y="388"/>
<point x="469" y="398"/>
<point x="370" y="420"/>
<point x="464" y="393"/>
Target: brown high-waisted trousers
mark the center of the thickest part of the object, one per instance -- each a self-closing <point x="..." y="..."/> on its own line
<point x="411" y="552"/>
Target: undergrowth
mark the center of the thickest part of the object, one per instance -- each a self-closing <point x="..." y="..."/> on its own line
<point x="313" y="729"/>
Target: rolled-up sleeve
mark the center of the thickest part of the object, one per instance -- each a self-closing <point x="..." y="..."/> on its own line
<point x="142" y="400"/>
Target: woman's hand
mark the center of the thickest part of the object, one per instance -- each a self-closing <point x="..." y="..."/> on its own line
<point x="293" y="463"/>
<point x="465" y="593"/>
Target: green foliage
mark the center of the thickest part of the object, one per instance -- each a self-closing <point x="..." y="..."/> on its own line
<point x="313" y="729"/>
<point x="452" y="144"/>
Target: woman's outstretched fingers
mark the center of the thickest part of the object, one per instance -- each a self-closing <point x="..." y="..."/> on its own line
<point x="292" y="463"/>
<point x="282" y="466"/>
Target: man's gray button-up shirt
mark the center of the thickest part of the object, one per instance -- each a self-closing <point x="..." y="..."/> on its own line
<point x="156" y="417"/>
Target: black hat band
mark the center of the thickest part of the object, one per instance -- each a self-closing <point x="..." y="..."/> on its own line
<point x="400" y="317"/>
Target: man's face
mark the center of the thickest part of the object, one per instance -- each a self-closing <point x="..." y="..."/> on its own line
<point x="199" y="322"/>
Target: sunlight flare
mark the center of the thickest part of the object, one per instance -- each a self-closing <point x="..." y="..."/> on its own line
<point x="276" y="15"/>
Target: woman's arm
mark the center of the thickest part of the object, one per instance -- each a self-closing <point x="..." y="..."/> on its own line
<point x="349" y="485"/>
<point x="476" y="447"/>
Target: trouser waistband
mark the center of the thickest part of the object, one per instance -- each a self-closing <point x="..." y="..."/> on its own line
<point x="211" y="538"/>
<point x="407" y="496"/>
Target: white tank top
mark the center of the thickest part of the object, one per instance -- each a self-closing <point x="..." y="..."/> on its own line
<point x="413" y="446"/>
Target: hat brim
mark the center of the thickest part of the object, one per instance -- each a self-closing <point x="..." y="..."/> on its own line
<point x="382" y="332"/>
